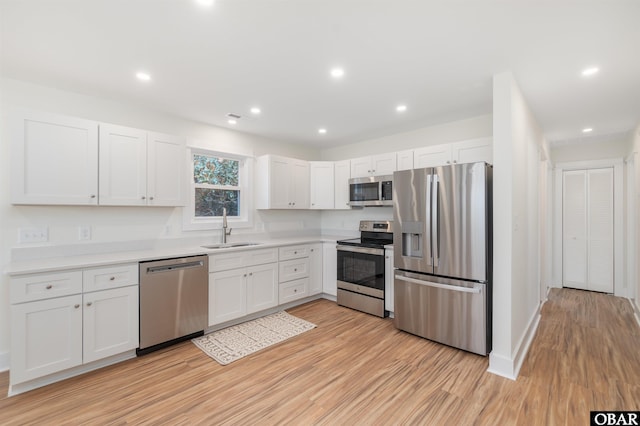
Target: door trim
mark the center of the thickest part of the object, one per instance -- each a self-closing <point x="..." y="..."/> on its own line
<point x="620" y="288"/>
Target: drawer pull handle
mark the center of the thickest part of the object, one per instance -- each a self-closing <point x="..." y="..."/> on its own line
<point x="295" y="270"/>
<point x="89" y="303"/>
<point x="250" y="274"/>
<point x="112" y="278"/>
<point x="76" y="305"/>
<point x="295" y="290"/>
<point x="49" y="287"/>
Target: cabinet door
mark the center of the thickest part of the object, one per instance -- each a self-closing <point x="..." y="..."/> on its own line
<point x="329" y="269"/>
<point x="227" y="295"/>
<point x="54" y="159"/>
<point x="472" y="151"/>
<point x="280" y="183"/>
<point x="383" y="164"/>
<point x="46" y="337"/>
<point x="432" y="156"/>
<point x="165" y="170"/>
<point x="299" y="183"/>
<point x="123" y="166"/>
<point x="110" y="322"/>
<point x="315" y="269"/>
<point x="361" y="167"/>
<point x="404" y="160"/>
<point x="388" y="279"/>
<point x="342" y="173"/>
<point x="262" y="287"/>
<point x="322" y="184"/>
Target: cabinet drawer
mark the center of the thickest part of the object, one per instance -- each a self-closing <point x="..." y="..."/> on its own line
<point x="293" y="252"/>
<point x="293" y="290"/>
<point x="110" y="277"/>
<point x="45" y="286"/>
<point x="241" y="259"/>
<point x="294" y="269"/>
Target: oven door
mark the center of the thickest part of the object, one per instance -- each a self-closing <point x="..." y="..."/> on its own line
<point x="361" y="269"/>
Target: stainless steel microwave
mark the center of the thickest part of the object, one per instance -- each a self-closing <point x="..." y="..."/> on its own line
<point x="371" y="191"/>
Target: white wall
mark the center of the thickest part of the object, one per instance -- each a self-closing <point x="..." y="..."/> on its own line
<point x="517" y="145"/>
<point x="636" y="208"/>
<point x="110" y="224"/>
<point x="616" y="147"/>
<point x="472" y="128"/>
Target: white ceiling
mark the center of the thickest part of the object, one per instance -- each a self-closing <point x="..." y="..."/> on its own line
<point x="437" y="57"/>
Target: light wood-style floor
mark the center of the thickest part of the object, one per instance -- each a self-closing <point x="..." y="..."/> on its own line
<point x="358" y="369"/>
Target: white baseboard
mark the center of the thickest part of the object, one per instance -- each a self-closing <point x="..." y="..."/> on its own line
<point x="509" y="367"/>
<point x="4" y="361"/>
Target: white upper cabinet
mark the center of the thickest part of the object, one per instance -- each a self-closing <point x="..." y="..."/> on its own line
<point x="431" y="156"/>
<point x="376" y="165"/>
<point x="123" y="166"/>
<point x="404" y="160"/>
<point x="165" y="170"/>
<point x="322" y="185"/>
<point x="54" y="159"/>
<point x="139" y="168"/>
<point x="282" y="183"/>
<point x="342" y="174"/>
<point x="469" y="151"/>
<point x="472" y="151"/>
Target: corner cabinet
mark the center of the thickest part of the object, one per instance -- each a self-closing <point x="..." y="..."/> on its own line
<point x="62" y="320"/>
<point x="140" y="168"/>
<point x="283" y="183"/>
<point x="54" y="159"/>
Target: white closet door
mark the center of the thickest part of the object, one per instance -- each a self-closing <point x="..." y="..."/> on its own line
<point x="574" y="227"/>
<point x="588" y="229"/>
<point x="600" y="227"/>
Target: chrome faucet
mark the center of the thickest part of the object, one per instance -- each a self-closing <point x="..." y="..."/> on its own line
<point x="224" y="226"/>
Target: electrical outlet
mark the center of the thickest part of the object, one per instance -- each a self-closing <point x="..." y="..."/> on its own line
<point x="33" y="235"/>
<point x="84" y="232"/>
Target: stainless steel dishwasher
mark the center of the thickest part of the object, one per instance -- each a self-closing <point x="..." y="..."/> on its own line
<point x="174" y="297"/>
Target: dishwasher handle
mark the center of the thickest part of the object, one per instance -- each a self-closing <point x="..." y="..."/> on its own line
<point x="174" y="267"/>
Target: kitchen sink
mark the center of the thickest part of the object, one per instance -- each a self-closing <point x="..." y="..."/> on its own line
<point x="229" y="245"/>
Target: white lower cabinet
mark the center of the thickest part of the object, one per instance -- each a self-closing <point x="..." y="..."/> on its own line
<point x="46" y="337"/>
<point x="388" y="279"/>
<point x="109" y="322"/>
<point x="315" y="269"/>
<point x="329" y="269"/>
<point x="253" y="287"/>
<point x="61" y="327"/>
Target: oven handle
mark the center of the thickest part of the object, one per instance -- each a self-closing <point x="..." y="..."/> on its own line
<point x="365" y="250"/>
<point x="474" y="290"/>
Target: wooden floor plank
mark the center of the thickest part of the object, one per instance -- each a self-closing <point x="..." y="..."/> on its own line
<point x="355" y="368"/>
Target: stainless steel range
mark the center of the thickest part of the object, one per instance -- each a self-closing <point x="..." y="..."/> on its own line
<point x="361" y="273"/>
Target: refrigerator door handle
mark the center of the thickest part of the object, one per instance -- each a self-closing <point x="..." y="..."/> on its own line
<point x="474" y="290"/>
<point x="427" y="237"/>
<point x="435" y="238"/>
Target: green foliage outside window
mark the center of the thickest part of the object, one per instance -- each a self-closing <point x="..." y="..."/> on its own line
<point x="216" y="181"/>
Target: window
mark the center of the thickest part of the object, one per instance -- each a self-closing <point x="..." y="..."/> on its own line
<point x="217" y="182"/>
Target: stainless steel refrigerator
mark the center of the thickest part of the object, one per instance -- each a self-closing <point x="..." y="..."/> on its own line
<point x="442" y="254"/>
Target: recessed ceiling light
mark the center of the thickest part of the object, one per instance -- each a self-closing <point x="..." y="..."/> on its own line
<point x="255" y="110"/>
<point x="337" y="72"/>
<point x="322" y="131"/>
<point x="143" y="76"/>
<point x="590" y="71"/>
<point x="587" y="130"/>
<point x="232" y="121"/>
<point x="401" y="108"/>
<point x="206" y="3"/>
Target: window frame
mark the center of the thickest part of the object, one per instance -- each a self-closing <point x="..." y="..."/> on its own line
<point x="245" y="174"/>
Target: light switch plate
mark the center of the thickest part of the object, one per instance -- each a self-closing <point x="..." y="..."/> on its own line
<point x="33" y="235"/>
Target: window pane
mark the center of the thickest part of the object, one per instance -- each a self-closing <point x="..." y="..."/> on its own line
<point x="215" y="170"/>
<point x="209" y="202"/>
